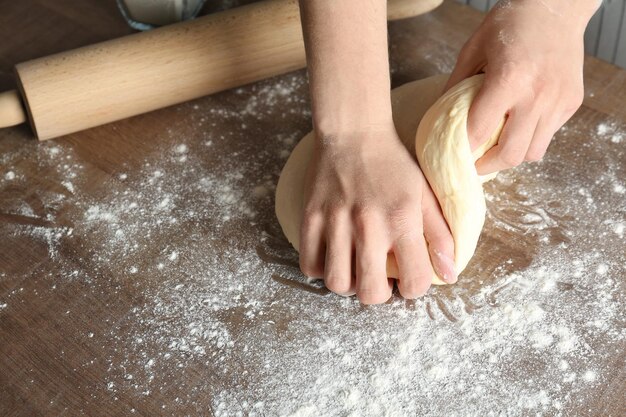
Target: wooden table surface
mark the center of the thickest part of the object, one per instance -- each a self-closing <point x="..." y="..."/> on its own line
<point x="142" y="271"/>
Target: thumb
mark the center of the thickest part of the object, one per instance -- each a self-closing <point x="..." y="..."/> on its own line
<point x="439" y="238"/>
<point x="467" y="64"/>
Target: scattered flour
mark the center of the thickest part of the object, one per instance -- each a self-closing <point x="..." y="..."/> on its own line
<point x="222" y="321"/>
<point x="505" y="38"/>
<point x="529" y="339"/>
<point x="611" y="131"/>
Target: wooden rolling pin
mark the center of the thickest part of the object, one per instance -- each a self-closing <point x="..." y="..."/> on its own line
<point x="112" y="80"/>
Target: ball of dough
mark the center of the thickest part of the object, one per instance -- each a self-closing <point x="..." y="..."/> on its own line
<point x="434" y="128"/>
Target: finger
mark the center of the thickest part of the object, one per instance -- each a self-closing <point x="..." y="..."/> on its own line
<point x="338" y="262"/>
<point x="439" y="238"/>
<point x="541" y="140"/>
<point x="416" y="272"/>
<point x="486" y="112"/>
<point x="390" y="283"/>
<point x="467" y="64"/>
<point x="372" y="285"/>
<point x="512" y="144"/>
<point x="311" y="245"/>
<point x="544" y="133"/>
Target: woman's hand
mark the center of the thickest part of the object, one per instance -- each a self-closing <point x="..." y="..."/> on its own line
<point x="531" y="52"/>
<point x="365" y="197"/>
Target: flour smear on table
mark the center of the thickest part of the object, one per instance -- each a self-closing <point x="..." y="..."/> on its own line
<point x="222" y="299"/>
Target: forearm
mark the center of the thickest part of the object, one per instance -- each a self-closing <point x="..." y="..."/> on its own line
<point x="346" y="46"/>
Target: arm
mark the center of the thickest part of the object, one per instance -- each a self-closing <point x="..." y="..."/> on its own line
<point x="531" y="52"/>
<point x="365" y="195"/>
<point x="346" y="47"/>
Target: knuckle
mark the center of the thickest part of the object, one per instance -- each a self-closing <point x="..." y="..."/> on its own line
<point x="512" y="75"/>
<point x="406" y="206"/>
<point x="361" y="217"/>
<point x="310" y="209"/>
<point x="333" y="210"/>
<point x="478" y="130"/>
<point x="467" y="51"/>
<point x="407" y="236"/>
<point x="403" y="216"/>
<point x="311" y="218"/>
<point x="540" y="90"/>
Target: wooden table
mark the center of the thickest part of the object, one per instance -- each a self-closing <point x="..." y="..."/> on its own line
<point x="142" y="271"/>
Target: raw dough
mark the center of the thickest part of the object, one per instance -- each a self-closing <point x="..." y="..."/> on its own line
<point x="442" y="149"/>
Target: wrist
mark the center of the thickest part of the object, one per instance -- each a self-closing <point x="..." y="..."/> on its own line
<point x="343" y="119"/>
<point x="348" y="139"/>
<point x="578" y="12"/>
<point x="348" y="102"/>
<point x="583" y="11"/>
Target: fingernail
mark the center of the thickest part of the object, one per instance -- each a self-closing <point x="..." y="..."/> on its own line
<point x="444" y="267"/>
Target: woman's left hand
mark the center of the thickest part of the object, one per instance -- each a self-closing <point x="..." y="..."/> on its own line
<point x="531" y="52"/>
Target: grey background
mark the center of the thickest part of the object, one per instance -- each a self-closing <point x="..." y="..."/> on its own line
<point x="605" y="37"/>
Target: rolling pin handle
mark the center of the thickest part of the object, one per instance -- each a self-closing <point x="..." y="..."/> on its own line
<point x="11" y="109"/>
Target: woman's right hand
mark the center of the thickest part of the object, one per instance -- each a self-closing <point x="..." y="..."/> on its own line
<point x="365" y="197"/>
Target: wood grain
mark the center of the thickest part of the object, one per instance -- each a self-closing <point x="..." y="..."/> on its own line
<point x="49" y="365"/>
<point x="11" y="110"/>
<point x="112" y="80"/>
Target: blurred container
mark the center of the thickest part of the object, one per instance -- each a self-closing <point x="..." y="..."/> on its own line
<point x="148" y="14"/>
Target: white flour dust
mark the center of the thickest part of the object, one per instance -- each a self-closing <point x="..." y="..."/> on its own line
<point x="221" y="322"/>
